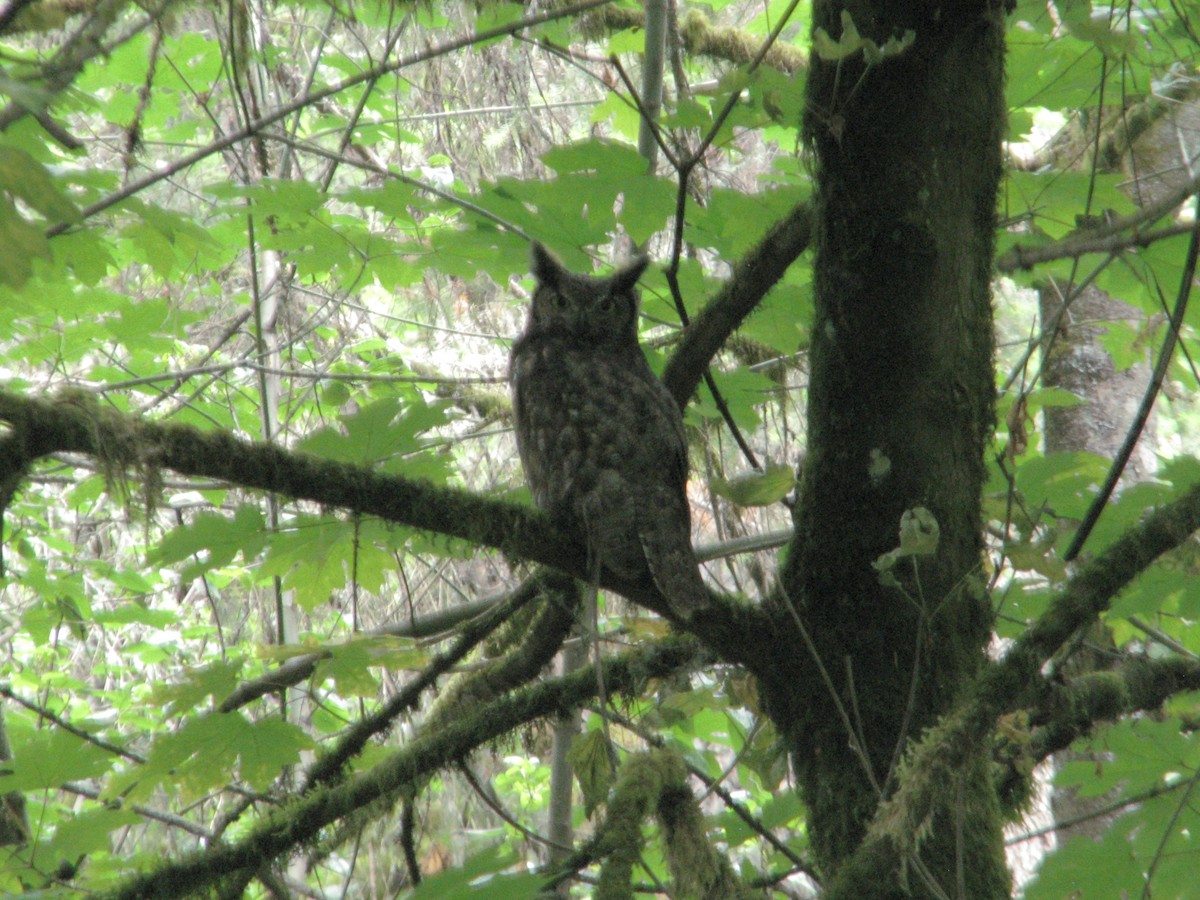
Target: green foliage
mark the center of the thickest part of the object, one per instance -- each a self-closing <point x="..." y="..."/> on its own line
<point x="44" y="761"/>
<point x="23" y="179"/>
<point x="591" y="760"/>
<point x="1153" y="766"/>
<point x="212" y="541"/>
<point x="380" y="432"/>
<point x="757" y="488"/>
<point x="347" y="280"/>
<point x="481" y="876"/>
<point x="204" y="751"/>
<point x="851" y="42"/>
<point x="349" y="663"/>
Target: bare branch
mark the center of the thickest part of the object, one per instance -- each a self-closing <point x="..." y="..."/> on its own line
<point x="287" y="109"/>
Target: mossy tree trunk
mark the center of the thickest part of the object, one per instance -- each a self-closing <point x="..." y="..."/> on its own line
<point x="900" y="408"/>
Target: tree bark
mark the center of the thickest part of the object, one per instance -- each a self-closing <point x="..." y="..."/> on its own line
<point x="900" y="408"/>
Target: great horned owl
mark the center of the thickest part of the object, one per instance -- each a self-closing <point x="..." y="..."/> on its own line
<point x="601" y="440"/>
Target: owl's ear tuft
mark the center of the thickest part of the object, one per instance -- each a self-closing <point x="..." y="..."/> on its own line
<point x="627" y="276"/>
<point x="545" y="265"/>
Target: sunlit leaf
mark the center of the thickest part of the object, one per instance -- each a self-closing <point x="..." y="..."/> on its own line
<point x="591" y="758"/>
<point x="49" y="759"/>
<point x="757" y="488"/>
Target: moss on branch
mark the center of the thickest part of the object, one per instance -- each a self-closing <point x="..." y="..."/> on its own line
<point x="698" y="36"/>
<point x="1071" y="710"/>
<point x="534" y="650"/>
<point x="655" y="783"/>
<point x="302" y="821"/>
<point x="955" y="744"/>
<point x="75" y="422"/>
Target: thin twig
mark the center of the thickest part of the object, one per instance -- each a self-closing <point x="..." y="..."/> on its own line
<point x="288" y="109"/>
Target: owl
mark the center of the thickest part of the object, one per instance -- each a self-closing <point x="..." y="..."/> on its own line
<point x="600" y="439"/>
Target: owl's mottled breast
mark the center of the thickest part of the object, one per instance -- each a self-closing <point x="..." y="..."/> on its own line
<point x="579" y="415"/>
<point x="601" y="440"/>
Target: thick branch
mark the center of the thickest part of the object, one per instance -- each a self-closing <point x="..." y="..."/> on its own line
<point x="541" y="640"/>
<point x="700" y="37"/>
<point x="1009" y="683"/>
<point x="1072" y="710"/>
<point x="303" y="820"/>
<point x="755" y="274"/>
<point x="76" y="423"/>
<point x="1005" y="686"/>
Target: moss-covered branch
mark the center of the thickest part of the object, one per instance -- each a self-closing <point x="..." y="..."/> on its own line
<point x="532" y="650"/>
<point x="301" y="821"/>
<point x="1071" y="710"/>
<point x="951" y="746"/>
<point x="75" y="422"/>
<point x="656" y="783"/>
<point x="351" y="744"/>
<point x="82" y="46"/>
<point x="41" y="16"/>
<point x="700" y="37"/>
<point x="1008" y="684"/>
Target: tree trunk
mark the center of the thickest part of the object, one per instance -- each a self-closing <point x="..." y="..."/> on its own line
<point x="1077" y="360"/>
<point x="900" y="409"/>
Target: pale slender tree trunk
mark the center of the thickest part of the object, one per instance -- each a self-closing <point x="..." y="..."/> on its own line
<point x="900" y="410"/>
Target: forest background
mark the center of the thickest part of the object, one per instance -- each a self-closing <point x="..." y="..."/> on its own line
<point x="278" y="619"/>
